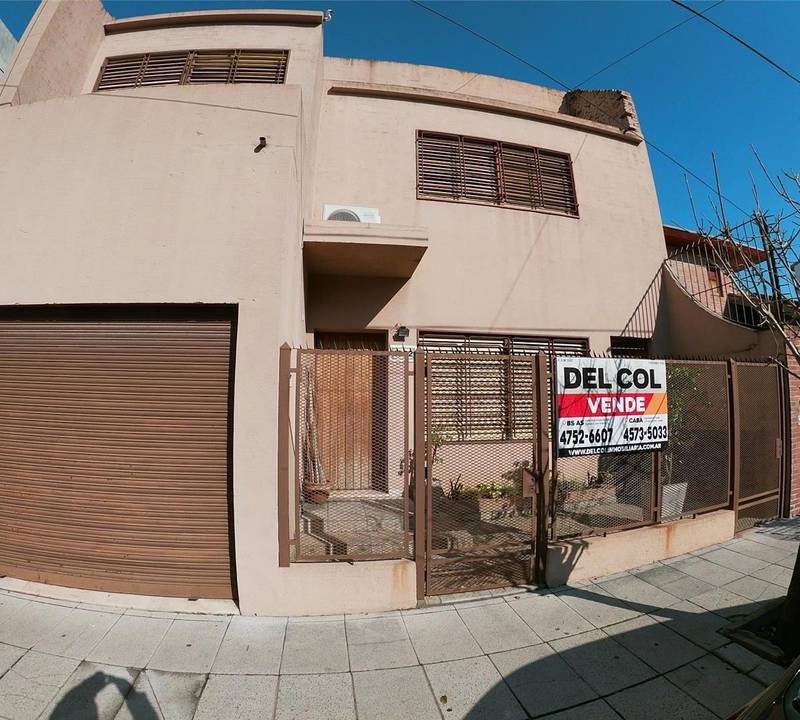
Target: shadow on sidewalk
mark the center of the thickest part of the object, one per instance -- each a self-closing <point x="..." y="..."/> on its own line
<point x="81" y="703"/>
<point x="632" y="659"/>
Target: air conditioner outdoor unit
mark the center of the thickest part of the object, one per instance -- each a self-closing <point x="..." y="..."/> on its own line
<point x="352" y="213"/>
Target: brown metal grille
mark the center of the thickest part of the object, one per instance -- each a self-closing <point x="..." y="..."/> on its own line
<point x="759" y="431"/>
<point x="192" y="67"/>
<point x="485" y="395"/>
<point x="455" y="167"/>
<point x="114" y="455"/>
<point x="695" y="466"/>
<point x="352" y="455"/>
<point x="480" y="530"/>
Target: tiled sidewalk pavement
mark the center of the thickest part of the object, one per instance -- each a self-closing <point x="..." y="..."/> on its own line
<point x="642" y="644"/>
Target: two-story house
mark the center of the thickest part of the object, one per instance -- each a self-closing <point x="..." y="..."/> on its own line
<point x="184" y="193"/>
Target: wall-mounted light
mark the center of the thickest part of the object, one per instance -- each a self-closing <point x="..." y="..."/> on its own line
<point x="401" y="332"/>
<point x="262" y="143"/>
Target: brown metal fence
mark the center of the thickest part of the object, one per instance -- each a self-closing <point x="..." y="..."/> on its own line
<point x="477" y="481"/>
<point x="481" y="424"/>
<point x="760" y="443"/>
<point x="694" y="468"/>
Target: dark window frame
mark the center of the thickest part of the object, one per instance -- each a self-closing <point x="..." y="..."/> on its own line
<point x="715" y="280"/>
<point x="482" y="183"/>
<point x="629" y="347"/>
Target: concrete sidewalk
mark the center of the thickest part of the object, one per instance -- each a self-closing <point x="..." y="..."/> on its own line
<point x="642" y="644"/>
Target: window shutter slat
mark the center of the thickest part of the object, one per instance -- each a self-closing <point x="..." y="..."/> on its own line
<point x="163" y="69"/>
<point x="439" y="163"/>
<point x="260" y="67"/>
<point x="212" y="67"/>
<point x="487" y="398"/>
<point x="121" y="72"/>
<point x="455" y="167"/>
<point x="192" y="67"/>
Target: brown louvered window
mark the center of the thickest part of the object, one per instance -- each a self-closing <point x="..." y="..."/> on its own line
<point x="193" y="67"/>
<point x="454" y="167"/>
<point x="478" y="391"/>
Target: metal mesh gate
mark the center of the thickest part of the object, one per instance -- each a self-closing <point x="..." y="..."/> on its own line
<point x="695" y="466"/>
<point x="481" y="424"/>
<point x="351" y="455"/>
<point x="760" y="446"/>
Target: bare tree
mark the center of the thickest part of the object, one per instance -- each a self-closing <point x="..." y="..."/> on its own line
<point x="769" y="281"/>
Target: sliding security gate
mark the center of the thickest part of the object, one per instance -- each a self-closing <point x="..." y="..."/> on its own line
<point x="114" y="455"/>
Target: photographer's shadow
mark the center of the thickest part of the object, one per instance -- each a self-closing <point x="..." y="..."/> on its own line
<point x="81" y="703"/>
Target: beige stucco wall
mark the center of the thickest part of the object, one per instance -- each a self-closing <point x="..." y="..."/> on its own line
<point x="145" y="200"/>
<point x="487" y="269"/>
<point x="443" y="79"/>
<point x="304" y="69"/>
<point x="53" y="53"/>
<point x="688" y="329"/>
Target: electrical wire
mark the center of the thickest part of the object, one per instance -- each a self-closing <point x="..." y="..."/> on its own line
<point x="644" y="45"/>
<point x="739" y="40"/>
<point x="566" y="87"/>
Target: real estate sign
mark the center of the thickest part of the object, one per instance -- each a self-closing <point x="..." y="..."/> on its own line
<point x="606" y="405"/>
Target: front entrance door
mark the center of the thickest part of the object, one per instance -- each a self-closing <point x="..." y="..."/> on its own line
<point x="352" y="403"/>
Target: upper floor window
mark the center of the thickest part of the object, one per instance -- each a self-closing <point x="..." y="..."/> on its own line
<point x="455" y="167"/>
<point x="192" y="67"/>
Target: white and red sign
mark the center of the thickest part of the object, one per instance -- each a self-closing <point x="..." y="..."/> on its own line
<point x="606" y="405"/>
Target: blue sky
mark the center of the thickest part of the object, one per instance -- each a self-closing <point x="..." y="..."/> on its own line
<point x="696" y="90"/>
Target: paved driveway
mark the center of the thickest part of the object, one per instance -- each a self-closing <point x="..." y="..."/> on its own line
<point x="642" y="644"/>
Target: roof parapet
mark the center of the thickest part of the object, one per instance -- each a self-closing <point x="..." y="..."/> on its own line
<point x="216" y="17"/>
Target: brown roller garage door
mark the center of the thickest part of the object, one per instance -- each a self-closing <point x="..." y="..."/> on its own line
<point x="114" y="455"/>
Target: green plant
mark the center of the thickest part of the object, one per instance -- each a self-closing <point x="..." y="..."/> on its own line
<point x="492" y="491"/>
<point x="686" y="400"/>
<point x="456" y="489"/>
<point x="436" y="439"/>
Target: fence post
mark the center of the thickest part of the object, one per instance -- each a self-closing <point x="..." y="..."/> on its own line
<point x="420" y="451"/>
<point x="542" y="471"/>
<point x="551" y="364"/>
<point x="735" y="428"/>
<point x="284" y="363"/>
<point x="784" y="504"/>
<point x="656" y="499"/>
